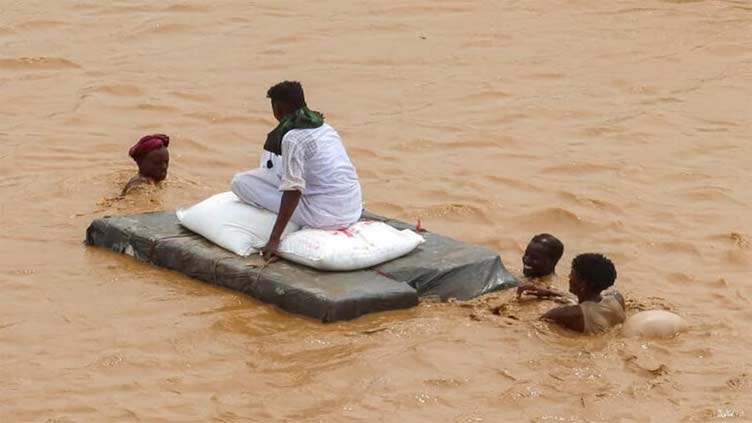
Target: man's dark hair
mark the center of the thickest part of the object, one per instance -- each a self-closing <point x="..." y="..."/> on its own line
<point x="288" y="92"/>
<point x="596" y="270"/>
<point x="554" y="247"/>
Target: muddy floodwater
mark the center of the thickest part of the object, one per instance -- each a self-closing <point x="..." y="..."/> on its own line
<point x="622" y="127"/>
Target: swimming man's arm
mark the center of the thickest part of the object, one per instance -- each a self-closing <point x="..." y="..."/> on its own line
<point x="136" y="180"/>
<point x="537" y="291"/>
<point x="568" y="316"/>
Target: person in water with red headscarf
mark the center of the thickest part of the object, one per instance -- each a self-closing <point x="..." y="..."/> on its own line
<point x="152" y="158"/>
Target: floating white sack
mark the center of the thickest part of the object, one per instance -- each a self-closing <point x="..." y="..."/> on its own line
<point x="230" y="223"/>
<point x="364" y="244"/>
<point x="654" y="324"/>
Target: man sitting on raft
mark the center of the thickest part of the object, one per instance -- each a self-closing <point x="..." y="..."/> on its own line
<point x="305" y="175"/>
<point x="152" y="158"/>
<point x="591" y="274"/>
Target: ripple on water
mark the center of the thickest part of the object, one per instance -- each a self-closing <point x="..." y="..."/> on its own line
<point x="37" y="63"/>
<point x="187" y="8"/>
<point x="556" y="219"/>
<point x="119" y="90"/>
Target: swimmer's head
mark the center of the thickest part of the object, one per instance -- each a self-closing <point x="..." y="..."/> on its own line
<point x="286" y="97"/>
<point x="541" y="256"/>
<point x="151" y="156"/>
<point x="154" y="164"/>
<point x="591" y="273"/>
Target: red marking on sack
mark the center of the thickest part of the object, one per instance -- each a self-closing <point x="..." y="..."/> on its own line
<point x="345" y="231"/>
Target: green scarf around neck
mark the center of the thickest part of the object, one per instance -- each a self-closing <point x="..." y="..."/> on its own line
<point x="303" y="118"/>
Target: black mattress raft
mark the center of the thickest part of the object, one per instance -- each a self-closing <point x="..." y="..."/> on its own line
<point x="441" y="267"/>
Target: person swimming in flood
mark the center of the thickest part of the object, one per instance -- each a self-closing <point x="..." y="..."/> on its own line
<point x="595" y="312"/>
<point x="151" y="155"/>
<point x="541" y="256"/>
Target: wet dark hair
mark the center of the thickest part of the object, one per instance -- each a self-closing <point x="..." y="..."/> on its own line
<point x="596" y="270"/>
<point x="554" y="247"/>
<point x="288" y="92"/>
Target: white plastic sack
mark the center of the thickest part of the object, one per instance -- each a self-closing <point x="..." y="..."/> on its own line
<point x="232" y="224"/>
<point x="364" y="244"/>
<point x="654" y="324"/>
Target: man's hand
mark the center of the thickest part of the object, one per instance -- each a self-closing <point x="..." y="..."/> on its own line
<point x="269" y="252"/>
<point x="536" y="291"/>
<point x="290" y="200"/>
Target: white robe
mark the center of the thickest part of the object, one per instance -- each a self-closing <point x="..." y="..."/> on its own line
<point x="314" y="162"/>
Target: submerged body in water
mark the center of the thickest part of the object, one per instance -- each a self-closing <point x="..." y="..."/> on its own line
<point x="591" y="274"/>
<point x="152" y="158"/>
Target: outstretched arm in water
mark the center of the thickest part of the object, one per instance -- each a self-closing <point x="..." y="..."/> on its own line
<point x="136" y="180"/>
<point x="570" y="317"/>
<point x="538" y="291"/>
<point x="290" y="200"/>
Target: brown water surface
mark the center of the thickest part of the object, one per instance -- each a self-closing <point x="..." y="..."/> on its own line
<point x="621" y="126"/>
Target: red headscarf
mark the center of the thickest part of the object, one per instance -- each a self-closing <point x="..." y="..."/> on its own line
<point x="148" y="144"/>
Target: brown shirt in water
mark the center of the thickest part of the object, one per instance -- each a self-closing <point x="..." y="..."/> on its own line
<point x="600" y="316"/>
